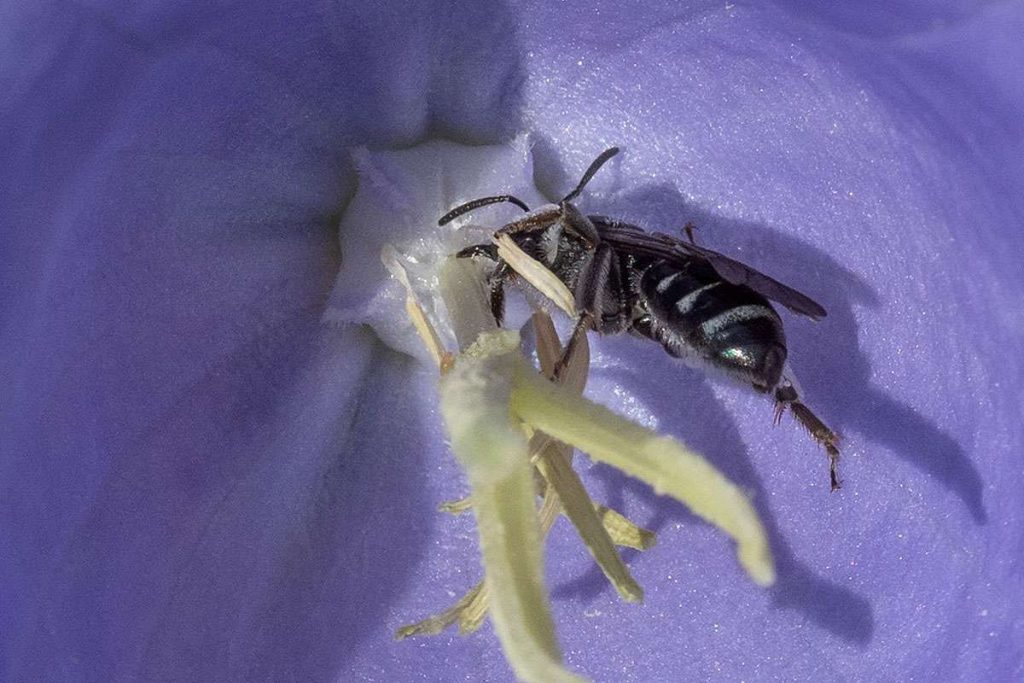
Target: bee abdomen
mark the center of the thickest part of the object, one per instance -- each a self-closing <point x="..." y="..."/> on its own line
<point x="695" y="313"/>
<point x="748" y="341"/>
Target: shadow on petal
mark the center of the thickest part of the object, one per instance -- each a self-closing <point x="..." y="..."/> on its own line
<point x="711" y="431"/>
<point x="830" y="354"/>
<point x="287" y="575"/>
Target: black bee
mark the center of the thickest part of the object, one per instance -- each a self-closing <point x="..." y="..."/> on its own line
<point x="698" y="304"/>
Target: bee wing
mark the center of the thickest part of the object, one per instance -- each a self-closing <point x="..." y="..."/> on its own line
<point x="741" y="274"/>
<point x="632" y="239"/>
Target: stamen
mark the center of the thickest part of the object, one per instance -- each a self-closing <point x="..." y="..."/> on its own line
<point x="491" y="398"/>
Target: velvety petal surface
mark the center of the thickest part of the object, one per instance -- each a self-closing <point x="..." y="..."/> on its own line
<point x="203" y="480"/>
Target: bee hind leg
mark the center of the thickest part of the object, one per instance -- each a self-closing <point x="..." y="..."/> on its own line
<point x="787" y="396"/>
<point x="688" y="230"/>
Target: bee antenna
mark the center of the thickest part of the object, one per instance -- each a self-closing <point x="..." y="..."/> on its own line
<point x="594" y="168"/>
<point x="477" y="203"/>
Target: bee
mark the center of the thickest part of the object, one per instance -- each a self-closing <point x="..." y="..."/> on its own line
<point x="701" y="306"/>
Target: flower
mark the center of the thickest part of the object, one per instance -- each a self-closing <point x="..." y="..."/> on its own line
<point x="202" y="481"/>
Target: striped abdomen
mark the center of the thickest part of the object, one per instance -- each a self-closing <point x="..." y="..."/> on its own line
<point x="694" y="313"/>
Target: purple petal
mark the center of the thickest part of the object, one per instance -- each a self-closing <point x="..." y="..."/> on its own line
<point x="818" y="158"/>
<point x="202" y="482"/>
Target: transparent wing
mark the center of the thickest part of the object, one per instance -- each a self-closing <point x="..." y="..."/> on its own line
<point x="632" y="239"/>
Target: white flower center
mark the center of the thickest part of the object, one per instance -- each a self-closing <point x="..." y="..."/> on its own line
<point x="399" y="198"/>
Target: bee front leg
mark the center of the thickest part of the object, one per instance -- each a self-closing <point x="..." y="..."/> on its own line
<point x="497" y="278"/>
<point x="497" y="284"/>
<point x="787" y="396"/>
<point x="489" y="251"/>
